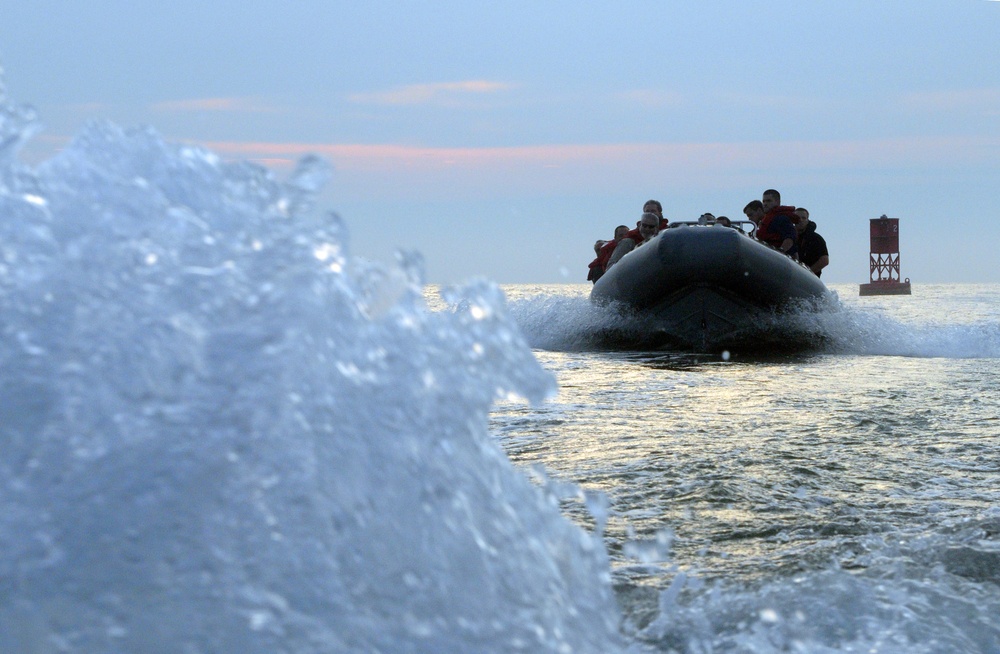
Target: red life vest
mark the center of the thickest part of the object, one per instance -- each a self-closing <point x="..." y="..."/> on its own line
<point x="604" y="254"/>
<point x="764" y="231"/>
<point x="635" y="235"/>
<point x="600" y="264"/>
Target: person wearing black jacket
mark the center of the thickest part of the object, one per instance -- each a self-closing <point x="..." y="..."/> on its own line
<point x="812" y="246"/>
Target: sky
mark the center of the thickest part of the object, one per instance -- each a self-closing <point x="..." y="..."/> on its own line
<point x="501" y="139"/>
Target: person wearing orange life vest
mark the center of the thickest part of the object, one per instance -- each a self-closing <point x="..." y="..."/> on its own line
<point x="649" y="226"/>
<point x="654" y="206"/>
<point x="776" y="227"/>
<point x="600" y="264"/>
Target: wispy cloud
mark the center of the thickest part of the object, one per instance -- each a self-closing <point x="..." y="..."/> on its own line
<point x="653" y="98"/>
<point x="554" y="168"/>
<point x="981" y="100"/>
<point x="768" y="101"/>
<point x="436" y="93"/>
<point x="234" y="105"/>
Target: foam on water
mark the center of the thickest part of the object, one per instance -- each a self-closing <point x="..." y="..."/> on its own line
<point x="573" y="323"/>
<point x="853" y="330"/>
<point x="219" y="432"/>
<point x="929" y="592"/>
<point x="570" y="322"/>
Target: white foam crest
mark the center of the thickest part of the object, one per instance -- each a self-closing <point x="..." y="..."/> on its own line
<point x="827" y="611"/>
<point x="572" y="323"/>
<point x="222" y="433"/>
<point x="928" y="592"/>
<point x="852" y="330"/>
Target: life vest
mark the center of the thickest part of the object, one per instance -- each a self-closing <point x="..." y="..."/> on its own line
<point x="774" y="238"/>
<point x="635" y="235"/>
<point x="600" y="264"/>
<point x="605" y="253"/>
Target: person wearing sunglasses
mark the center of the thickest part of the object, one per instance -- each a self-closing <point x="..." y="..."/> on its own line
<point x="654" y="206"/>
<point x="646" y="229"/>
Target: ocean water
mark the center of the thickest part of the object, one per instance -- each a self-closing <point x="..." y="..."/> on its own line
<point x="220" y="432"/>
<point x="841" y="499"/>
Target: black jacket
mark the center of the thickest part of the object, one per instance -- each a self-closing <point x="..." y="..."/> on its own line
<point x="812" y="246"/>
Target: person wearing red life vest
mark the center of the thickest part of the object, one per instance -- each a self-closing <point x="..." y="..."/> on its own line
<point x="776" y="225"/>
<point x="600" y="264"/>
<point x="649" y="226"/>
<point x="654" y="206"/>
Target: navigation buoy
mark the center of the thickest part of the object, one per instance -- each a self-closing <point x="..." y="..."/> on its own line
<point x="884" y="278"/>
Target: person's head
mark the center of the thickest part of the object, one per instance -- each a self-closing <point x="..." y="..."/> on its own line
<point x="723" y="220"/>
<point x="754" y="211"/>
<point x="620" y="232"/>
<point x="706" y="219"/>
<point x="649" y="225"/>
<point x="770" y="199"/>
<point x="598" y="245"/>
<point x="803" y="220"/>
<point x="653" y="206"/>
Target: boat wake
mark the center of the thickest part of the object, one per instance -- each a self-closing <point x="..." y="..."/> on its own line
<point x="573" y="323"/>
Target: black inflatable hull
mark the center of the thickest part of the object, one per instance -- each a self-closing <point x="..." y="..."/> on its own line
<point x="707" y="288"/>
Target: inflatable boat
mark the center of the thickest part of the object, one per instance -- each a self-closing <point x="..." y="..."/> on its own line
<point x="710" y="288"/>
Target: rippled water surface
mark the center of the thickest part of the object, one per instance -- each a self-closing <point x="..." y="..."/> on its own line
<point x="876" y="457"/>
<point x="220" y="432"/>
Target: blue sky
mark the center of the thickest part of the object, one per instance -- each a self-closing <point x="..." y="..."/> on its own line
<point x="502" y="140"/>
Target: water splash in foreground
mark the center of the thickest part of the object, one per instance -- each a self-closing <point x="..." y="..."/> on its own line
<point x="221" y="433"/>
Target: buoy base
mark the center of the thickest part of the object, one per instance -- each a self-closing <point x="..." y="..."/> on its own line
<point x="885" y="288"/>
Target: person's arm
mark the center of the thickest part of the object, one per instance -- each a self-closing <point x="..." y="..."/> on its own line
<point x="783" y="225"/>
<point x="820" y="264"/>
<point x="824" y="259"/>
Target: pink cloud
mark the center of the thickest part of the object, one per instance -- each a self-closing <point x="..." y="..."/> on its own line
<point x="653" y="98"/>
<point x="903" y="152"/>
<point x="441" y="92"/>
<point x="985" y="100"/>
<point x="236" y="105"/>
<point x="382" y="170"/>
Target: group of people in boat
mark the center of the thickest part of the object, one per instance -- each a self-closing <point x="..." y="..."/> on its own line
<point x="785" y="228"/>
